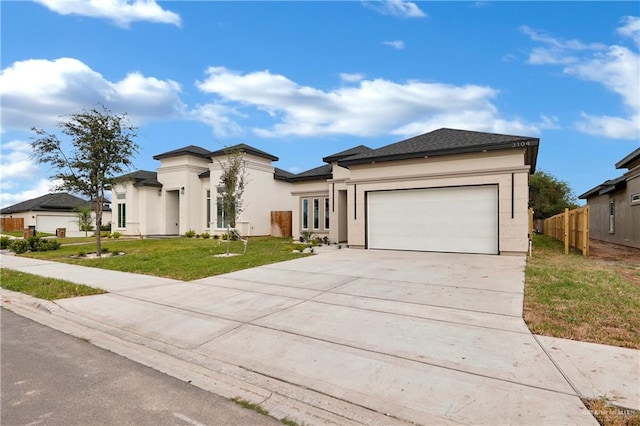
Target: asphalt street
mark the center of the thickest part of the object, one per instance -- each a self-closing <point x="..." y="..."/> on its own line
<point x="51" y="378"/>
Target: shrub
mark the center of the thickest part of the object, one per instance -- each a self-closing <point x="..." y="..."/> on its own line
<point x="205" y="235"/>
<point x="19" y="246"/>
<point x="190" y="233"/>
<point x="223" y="236"/>
<point x="4" y="242"/>
<point x="115" y="235"/>
<point x="106" y="227"/>
<point x="216" y="236"/>
<point x="104" y="234"/>
<point x="299" y="247"/>
<point x="47" y="245"/>
<point x="82" y="253"/>
<point x="34" y="242"/>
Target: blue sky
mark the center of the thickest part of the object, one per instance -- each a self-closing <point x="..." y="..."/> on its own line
<point x="303" y="80"/>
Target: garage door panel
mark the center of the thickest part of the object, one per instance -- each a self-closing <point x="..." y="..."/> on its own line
<point x="49" y="223"/>
<point x="457" y="219"/>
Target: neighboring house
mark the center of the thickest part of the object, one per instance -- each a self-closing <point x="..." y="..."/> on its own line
<point x="52" y="211"/>
<point x="447" y="190"/>
<point x="614" y="205"/>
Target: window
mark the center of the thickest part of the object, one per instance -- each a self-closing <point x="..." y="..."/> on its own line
<point x="316" y="213"/>
<point x="221" y="220"/>
<point x="208" y="201"/>
<point x="305" y="213"/>
<point x="121" y="196"/>
<point x="122" y="215"/>
<point x="612" y="217"/>
<point x="635" y="198"/>
<point x="326" y="213"/>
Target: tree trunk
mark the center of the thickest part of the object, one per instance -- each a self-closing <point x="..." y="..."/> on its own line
<point x="98" y="211"/>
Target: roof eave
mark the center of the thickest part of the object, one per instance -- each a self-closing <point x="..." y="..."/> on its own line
<point x="442" y="152"/>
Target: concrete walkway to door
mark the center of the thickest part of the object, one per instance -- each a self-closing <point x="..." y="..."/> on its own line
<point x="347" y="337"/>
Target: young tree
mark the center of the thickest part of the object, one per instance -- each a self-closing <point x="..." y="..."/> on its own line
<point x="102" y="147"/>
<point x="85" y="221"/>
<point x="550" y="195"/>
<point x="232" y="181"/>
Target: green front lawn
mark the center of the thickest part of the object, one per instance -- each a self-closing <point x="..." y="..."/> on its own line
<point x="179" y="258"/>
<point x="580" y="298"/>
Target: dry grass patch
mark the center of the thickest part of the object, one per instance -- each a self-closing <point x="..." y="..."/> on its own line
<point x="579" y="298"/>
<point x="608" y="415"/>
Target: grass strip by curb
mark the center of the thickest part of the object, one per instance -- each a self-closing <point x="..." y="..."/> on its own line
<point x="43" y="287"/>
<point x="258" y="409"/>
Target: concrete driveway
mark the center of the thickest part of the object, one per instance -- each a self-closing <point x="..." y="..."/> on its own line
<point x="429" y="338"/>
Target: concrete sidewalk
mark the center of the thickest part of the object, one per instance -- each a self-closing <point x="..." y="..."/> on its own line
<point x="349" y="337"/>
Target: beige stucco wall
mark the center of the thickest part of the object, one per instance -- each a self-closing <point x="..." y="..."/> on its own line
<point x="262" y="195"/>
<point x="498" y="167"/>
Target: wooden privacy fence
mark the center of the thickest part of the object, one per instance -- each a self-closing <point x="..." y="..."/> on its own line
<point x="12" y="224"/>
<point x="572" y="227"/>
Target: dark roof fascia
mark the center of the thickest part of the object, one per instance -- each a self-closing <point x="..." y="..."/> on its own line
<point x="347" y="153"/>
<point x="318" y="173"/>
<point x="193" y="150"/>
<point x="591" y="192"/>
<point x="205" y="175"/>
<point x="630" y="160"/>
<point x="607" y="187"/>
<point x="283" y="175"/>
<point x="312" y="177"/>
<point x="613" y="185"/>
<point x="533" y="142"/>
<point x="244" y="148"/>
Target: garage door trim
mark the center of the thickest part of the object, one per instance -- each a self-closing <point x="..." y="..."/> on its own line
<point x="497" y="209"/>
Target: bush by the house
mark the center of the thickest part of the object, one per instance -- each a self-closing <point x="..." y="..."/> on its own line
<point x="205" y="235"/>
<point x="115" y="235"/>
<point x="4" y="242"/>
<point x="19" y="246"/>
<point x="106" y="227"/>
<point x="190" y="233"/>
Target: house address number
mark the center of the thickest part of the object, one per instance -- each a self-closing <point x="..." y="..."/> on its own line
<point x="520" y="144"/>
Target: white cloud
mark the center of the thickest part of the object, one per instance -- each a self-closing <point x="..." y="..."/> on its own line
<point x="120" y="12"/>
<point x="16" y="162"/>
<point x="615" y="67"/>
<point x="351" y="77"/>
<point x="373" y="107"/>
<point x="398" y="8"/>
<point x="631" y="28"/>
<point x="37" y="92"/>
<point x="41" y="187"/>
<point x="217" y="116"/>
<point x="396" y="44"/>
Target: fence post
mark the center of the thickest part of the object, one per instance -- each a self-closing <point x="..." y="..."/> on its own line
<point x="585" y="233"/>
<point x="566" y="231"/>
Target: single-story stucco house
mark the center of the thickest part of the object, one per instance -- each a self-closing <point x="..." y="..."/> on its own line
<point x="614" y="205"/>
<point x="52" y="211"/>
<point x="447" y="190"/>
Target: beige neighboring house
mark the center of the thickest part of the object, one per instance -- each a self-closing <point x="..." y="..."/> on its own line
<point x="447" y="190"/>
<point x="52" y="211"/>
<point x="614" y="205"/>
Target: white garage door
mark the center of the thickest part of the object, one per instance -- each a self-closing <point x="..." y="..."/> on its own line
<point x="49" y="223"/>
<point x="453" y="219"/>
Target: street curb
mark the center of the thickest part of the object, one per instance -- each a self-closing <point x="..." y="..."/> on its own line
<point x="281" y="399"/>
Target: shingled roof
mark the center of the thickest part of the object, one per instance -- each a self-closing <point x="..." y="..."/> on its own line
<point x="244" y="148"/>
<point x="322" y="172"/>
<point x="143" y="178"/>
<point x="360" y="149"/>
<point x="185" y="150"/>
<point x="59" y="201"/>
<point x="447" y="142"/>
